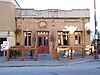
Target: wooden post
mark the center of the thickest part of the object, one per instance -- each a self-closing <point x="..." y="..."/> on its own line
<point x="22" y="53"/>
<point x="92" y="47"/>
<point x="82" y="52"/>
<point x="55" y="54"/>
<point x="71" y="53"/>
<point x="8" y="54"/>
<point x="36" y="54"/>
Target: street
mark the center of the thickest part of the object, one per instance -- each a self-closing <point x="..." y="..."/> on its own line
<point x="88" y="68"/>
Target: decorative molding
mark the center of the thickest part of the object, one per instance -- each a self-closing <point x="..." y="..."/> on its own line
<point x="42" y="25"/>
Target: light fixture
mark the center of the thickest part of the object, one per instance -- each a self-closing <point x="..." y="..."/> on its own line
<point x="8" y="33"/>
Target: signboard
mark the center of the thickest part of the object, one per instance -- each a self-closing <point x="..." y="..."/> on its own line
<point x="5" y="46"/>
<point x="11" y="41"/>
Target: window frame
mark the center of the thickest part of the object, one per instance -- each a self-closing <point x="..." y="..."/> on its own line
<point x="61" y="38"/>
<point x="78" y="34"/>
<point x="27" y="38"/>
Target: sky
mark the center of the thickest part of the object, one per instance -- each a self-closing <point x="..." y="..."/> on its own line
<point x="65" y="5"/>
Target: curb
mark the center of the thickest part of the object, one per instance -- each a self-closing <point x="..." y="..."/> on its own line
<point x="48" y="65"/>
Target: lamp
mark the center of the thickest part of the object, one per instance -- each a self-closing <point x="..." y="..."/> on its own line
<point x="8" y="33"/>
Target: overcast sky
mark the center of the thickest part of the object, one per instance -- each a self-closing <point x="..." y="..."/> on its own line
<point x="63" y="5"/>
<point x="55" y="4"/>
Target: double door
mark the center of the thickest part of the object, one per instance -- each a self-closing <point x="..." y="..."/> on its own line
<point x="43" y="42"/>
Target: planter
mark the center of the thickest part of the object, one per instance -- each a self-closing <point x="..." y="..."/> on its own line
<point x="88" y="31"/>
<point x="18" y="32"/>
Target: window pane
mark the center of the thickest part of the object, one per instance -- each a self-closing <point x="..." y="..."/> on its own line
<point x="29" y="40"/>
<point x="25" y="40"/>
<point x="45" y="41"/>
<point x="59" y="40"/>
<point x="62" y="38"/>
<point x="77" y="38"/>
<point x="65" y="40"/>
<point x="29" y="34"/>
<point x="39" y="41"/>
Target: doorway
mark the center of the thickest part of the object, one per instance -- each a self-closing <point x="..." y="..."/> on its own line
<point x="43" y="42"/>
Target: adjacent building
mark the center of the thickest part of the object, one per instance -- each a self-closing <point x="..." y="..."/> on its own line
<point x="7" y="21"/>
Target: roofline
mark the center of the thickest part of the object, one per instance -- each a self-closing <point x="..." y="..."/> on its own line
<point x="50" y="17"/>
<point x="52" y="9"/>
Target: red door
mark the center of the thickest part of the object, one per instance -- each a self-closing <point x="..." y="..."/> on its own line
<point x="43" y="42"/>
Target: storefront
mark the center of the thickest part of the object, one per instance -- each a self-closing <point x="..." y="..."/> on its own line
<point x="48" y="29"/>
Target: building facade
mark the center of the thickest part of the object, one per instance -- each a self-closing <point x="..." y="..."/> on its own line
<point x="51" y="28"/>
<point x="7" y="21"/>
<point x="45" y="29"/>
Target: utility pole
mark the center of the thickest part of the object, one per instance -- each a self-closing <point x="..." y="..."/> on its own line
<point x="95" y="37"/>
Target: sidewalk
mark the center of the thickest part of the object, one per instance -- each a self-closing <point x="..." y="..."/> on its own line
<point x="44" y="60"/>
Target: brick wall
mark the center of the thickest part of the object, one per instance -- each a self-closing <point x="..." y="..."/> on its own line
<point x="54" y="25"/>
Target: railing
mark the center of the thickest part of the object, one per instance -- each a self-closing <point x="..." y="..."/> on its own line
<point x="67" y="48"/>
<point x="21" y="49"/>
